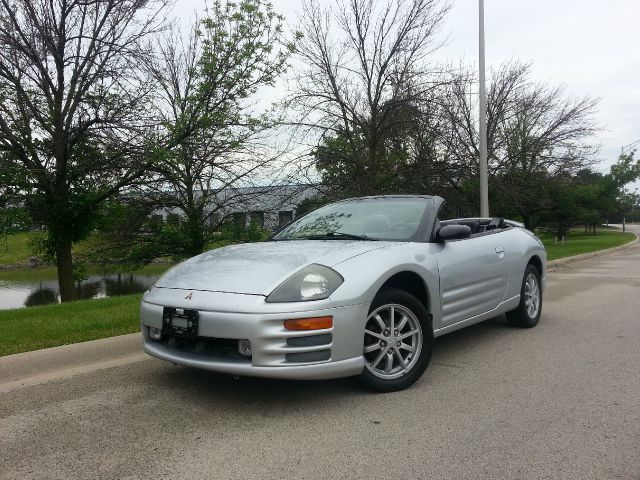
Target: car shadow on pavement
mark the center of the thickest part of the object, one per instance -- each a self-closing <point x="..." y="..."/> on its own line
<point x="209" y="387"/>
<point x="460" y="339"/>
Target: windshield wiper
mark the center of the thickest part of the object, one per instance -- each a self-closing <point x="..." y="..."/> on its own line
<point x="337" y="236"/>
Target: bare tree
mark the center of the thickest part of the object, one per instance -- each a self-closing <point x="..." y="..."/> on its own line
<point x="534" y="131"/>
<point x="73" y="108"/>
<point x="360" y="77"/>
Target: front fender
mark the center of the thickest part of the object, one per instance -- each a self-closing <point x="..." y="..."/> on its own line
<point x="366" y="274"/>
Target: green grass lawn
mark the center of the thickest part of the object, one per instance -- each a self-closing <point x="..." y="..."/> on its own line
<point x="33" y="328"/>
<point x="576" y="242"/>
<point x="15" y="248"/>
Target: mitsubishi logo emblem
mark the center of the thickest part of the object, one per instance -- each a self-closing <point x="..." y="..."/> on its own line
<point x="188" y="297"/>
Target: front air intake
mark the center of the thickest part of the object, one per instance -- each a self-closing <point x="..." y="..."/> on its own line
<point x="304" y="357"/>
<point x="310" y="341"/>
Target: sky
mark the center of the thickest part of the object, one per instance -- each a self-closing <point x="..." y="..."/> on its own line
<point x="590" y="47"/>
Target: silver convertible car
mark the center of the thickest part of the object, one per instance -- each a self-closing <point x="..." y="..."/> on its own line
<point x="356" y="288"/>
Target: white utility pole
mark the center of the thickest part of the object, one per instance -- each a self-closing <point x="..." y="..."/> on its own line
<point x="484" y="174"/>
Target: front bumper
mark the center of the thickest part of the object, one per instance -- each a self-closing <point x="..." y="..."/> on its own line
<point x="276" y="352"/>
<point x="317" y="371"/>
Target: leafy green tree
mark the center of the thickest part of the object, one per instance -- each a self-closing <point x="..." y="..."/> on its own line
<point x="589" y="197"/>
<point x="73" y="109"/>
<point x="206" y="103"/>
<point x="562" y="210"/>
<point x="407" y="157"/>
<point x="616" y="198"/>
<point x="211" y="132"/>
<point x="14" y="217"/>
<point x="310" y="204"/>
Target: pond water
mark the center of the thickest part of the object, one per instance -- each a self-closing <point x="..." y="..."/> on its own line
<point x="29" y="288"/>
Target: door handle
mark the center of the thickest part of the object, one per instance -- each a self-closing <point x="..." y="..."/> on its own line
<point x="500" y="249"/>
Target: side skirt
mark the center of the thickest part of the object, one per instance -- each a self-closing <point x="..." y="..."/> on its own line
<point x="503" y="307"/>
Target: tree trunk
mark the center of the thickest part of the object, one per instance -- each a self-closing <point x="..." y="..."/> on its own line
<point x="64" y="262"/>
<point x="561" y="231"/>
<point x="195" y="233"/>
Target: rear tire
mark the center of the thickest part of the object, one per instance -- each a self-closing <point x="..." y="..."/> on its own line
<point x="398" y="341"/>
<point x="527" y="315"/>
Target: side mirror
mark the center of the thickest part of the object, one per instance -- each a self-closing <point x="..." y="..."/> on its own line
<point x="453" y="232"/>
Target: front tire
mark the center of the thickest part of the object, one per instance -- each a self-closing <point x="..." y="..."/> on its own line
<point x="528" y="313"/>
<point x="398" y="340"/>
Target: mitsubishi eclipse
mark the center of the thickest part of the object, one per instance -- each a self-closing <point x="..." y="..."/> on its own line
<point x="356" y="288"/>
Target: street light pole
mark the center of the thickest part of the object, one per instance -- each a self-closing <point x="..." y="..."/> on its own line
<point x="484" y="175"/>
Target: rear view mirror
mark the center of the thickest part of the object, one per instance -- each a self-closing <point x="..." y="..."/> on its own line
<point x="453" y="232"/>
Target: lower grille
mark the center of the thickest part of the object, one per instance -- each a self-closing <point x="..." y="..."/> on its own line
<point x="310" y="341"/>
<point x="217" y="348"/>
<point x="302" y="357"/>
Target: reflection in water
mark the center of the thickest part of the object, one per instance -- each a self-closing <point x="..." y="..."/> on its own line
<point x="16" y="294"/>
<point x="124" y="284"/>
<point x="88" y="289"/>
<point x="42" y="296"/>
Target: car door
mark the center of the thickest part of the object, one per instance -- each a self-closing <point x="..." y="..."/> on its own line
<point x="473" y="276"/>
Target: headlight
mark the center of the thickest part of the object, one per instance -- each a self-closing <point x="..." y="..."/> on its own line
<point x="315" y="282"/>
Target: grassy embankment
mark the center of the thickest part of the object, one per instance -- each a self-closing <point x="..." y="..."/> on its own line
<point x="32" y="328"/>
<point x="15" y="249"/>
<point x="46" y="326"/>
<point x="52" y="325"/>
<point x="576" y="242"/>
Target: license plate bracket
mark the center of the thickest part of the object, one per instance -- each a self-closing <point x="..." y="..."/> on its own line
<point x="180" y="322"/>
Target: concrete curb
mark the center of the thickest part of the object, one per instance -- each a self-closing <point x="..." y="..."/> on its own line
<point x="563" y="262"/>
<point x="39" y="366"/>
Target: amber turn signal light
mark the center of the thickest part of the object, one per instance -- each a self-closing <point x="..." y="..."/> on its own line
<point x="313" y="323"/>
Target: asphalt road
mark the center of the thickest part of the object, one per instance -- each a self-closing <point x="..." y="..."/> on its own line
<point x="560" y="401"/>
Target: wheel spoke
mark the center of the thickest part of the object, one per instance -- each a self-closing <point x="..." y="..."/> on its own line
<point x="407" y="347"/>
<point x="407" y="334"/>
<point x="380" y="322"/>
<point x="400" y="359"/>
<point x="392" y="319"/>
<point x="374" y="334"/>
<point x="375" y="363"/>
<point x="389" y="365"/>
<point x="372" y="348"/>
<point x="402" y="323"/>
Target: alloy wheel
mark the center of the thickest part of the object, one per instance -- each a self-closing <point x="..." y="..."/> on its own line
<point x="392" y="341"/>
<point x="532" y="295"/>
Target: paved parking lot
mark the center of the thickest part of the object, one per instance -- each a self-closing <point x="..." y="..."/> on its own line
<point x="559" y="401"/>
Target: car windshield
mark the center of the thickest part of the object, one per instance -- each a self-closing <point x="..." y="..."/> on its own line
<point x="362" y="219"/>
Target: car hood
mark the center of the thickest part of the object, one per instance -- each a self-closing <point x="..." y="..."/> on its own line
<point x="257" y="268"/>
